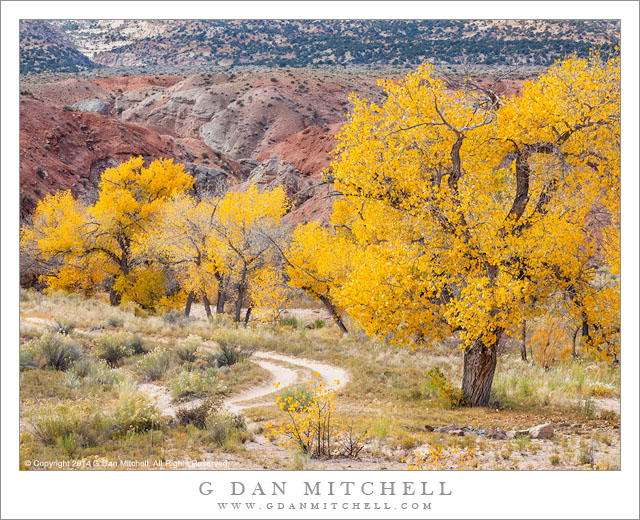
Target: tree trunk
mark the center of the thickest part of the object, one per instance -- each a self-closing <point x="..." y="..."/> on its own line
<point x="246" y="317"/>
<point x="239" y="301"/>
<point x="187" y="307"/>
<point x="479" y="367"/>
<point x="523" y="346"/>
<point x="207" y="305"/>
<point x="220" y="300"/>
<point x="334" y="314"/>
<point x="574" y="352"/>
<point x="114" y="297"/>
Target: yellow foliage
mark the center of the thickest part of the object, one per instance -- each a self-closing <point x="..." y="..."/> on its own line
<point x="144" y="286"/>
<point x="549" y="343"/>
<point x="433" y="457"/>
<point x="81" y="247"/>
<point x="313" y="425"/>
<point x="269" y="294"/>
<point x="318" y="259"/>
<point x="463" y="212"/>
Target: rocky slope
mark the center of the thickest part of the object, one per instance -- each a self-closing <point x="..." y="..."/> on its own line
<point x="266" y="127"/>
<point x="271" y="126"/>
<point x="44" y="46"/>
<point x="326" y="43"/>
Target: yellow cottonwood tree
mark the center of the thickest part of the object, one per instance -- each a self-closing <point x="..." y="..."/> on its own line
<point x="318" y="261"/>
<point x="248" y="227"/>
<point x="183" y="237"/>
<point x="72" y="239"/>
<point x="466" y="211"/>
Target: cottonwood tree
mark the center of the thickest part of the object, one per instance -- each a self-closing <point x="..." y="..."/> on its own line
<point x="184" y="237"/>
<point x="318" y="261"/>
<point x="247" y="226"/>
<point x="82" y="246"/>
<point x="467" y="211"/>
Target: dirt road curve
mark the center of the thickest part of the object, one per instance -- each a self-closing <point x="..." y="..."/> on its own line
<point x="285" y="370"/>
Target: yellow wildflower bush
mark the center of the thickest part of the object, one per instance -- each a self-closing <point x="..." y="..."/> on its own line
<point x="313" y="425"/>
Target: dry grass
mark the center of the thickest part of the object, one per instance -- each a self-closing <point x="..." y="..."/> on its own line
<point x="390" y="398"/>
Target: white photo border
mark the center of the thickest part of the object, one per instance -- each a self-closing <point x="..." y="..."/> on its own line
<point x="174" y="494"/>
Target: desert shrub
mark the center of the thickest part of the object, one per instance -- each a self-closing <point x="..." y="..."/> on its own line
<point x="231" y="353"/>
<point x="26" y="358"/>
<point x="587" y="407"/>
<point x="134" y="411"/>
<point x="136" y="345"/>
<point x="186" y="351"/>
<point x="315" y="428"/>
<point x="62" y="326"/>
<point x="444" y="393"/>
<point x="102" y="374"/>
<point x="554" y="459"/>
<point x="291" y="321"/>
<point x="586" y="456"/>
<point x="296" y="397"/>
<point x="154" y="365"/>
<point x="113" y="348"/>
<point x="91" y="371"/>
<point x="319" y="324"/>
<point x="79" y="420"/>
<point x="225" y="428"/>
<point x="115" y="322"/>
<point x="174" y="317"/>
<point x="197" y="415"/>
<point x="521" y="442"/>
<point x="55" y="351"/>
<point x="195" y="384"/>
<point x="29" y="331"/>
<point x="380" y="428"/>
<point x="82" y="367"/>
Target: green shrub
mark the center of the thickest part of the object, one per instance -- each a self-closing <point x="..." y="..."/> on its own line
<point x="113" y="348"/>
<point x="319" y="324"/>
<point x="102" y="374"/>
<point x="521" y="442"/>
<point x="92" y="371"/>
<point x="299" y="397"/>
<point x="135" y="412"/>
<point x="63" y="326"/>
<point x="231" y="353"/>
<point x="195" y="384"/>
<point x="586" y="457"/>
<point x="26" y="358"/>
<point x="55" y="351"/>
<point x="174" y="317"/>
<point x="136" y="346"/>
<point x="380" y="428"/>
<point x="291" y="321"/>
<point x="68" y="444"/>
<point x="445" y="394"/>
<point x="225" y="428"/>
<point x="115" y="322"/>
<point x="82" y="367"/>
<point x="154" y="365"/>
<point x="79" y="420"/>
<point x="186" y="351"/>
